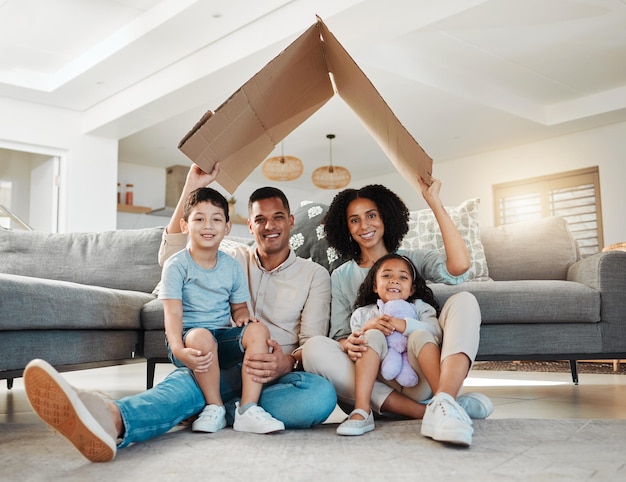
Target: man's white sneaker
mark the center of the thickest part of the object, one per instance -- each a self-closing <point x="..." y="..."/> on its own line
<point x="256" y="420"/>
<point x="476" y="405"/>
<point x="80" y="416"/>
<point x="211" y="419"/>
<point x="446" y="421"/>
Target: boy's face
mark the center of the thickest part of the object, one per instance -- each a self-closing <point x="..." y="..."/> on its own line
<point x="206" y="226"/>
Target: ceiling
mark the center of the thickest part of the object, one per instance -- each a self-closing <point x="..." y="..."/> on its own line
<point x="463" y="76"/>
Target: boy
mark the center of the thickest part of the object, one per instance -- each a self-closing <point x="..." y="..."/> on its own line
<point x="202" y="288"/>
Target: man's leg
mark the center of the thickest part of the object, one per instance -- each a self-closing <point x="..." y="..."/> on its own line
<point x="81" y="417"/>
<point x="299" y="399"/>
<point x="89" y="422"/>
<point x="156" y="411"/>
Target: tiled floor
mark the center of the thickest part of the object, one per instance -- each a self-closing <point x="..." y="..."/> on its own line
<point x="514" y="394"/>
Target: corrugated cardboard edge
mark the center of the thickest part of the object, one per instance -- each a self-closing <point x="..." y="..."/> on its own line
<point x="247" y="127"/>
<point x="250" y="123"/>
<point x="359" y="93"/>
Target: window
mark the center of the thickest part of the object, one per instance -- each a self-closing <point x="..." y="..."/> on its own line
<point x="573" y="195"/>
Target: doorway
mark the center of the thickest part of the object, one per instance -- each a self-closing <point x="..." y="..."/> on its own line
<point x="30" y="189"/>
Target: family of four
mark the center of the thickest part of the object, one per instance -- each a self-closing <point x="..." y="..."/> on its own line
<point x="265" y="341"/>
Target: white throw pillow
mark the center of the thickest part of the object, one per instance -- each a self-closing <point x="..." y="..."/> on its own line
<point x="424" y="233"/>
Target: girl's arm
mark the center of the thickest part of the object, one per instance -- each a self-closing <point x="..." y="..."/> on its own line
<point x="386" y="324"/>
<point x="458" y="258"/>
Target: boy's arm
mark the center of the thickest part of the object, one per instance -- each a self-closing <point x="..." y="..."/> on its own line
<point x="173" y="239"/>
<point x="192" y="358"/>
<point x="173" y="313"/>
<point x="240" y="314"/>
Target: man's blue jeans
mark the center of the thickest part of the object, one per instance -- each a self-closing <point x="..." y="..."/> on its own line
<point x="298" y="399"/>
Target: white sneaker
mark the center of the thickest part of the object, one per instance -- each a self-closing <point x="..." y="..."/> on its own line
<point x="256" y="420"/>
<point x="80" y="416"/>
<point x="446" y="421"/>
<point x="355" y="426"/>
<point x="211" y="419"/>
<point x="476" y="405"/>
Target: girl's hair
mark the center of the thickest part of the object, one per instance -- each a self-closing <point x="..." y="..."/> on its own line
<point x="205" y="194"/>
<point x="367" y="296"/>
<point x="392" y="210"/>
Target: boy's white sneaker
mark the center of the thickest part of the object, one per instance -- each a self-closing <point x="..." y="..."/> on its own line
<point x="446" y="421"/>
<point x="256" y="420"/>
<point x="211" y="419"/>
<point x="80" y="416"/>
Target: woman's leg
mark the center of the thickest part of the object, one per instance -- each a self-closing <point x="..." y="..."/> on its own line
<point x="325" y="357"/>
<point x="460" y="321"/>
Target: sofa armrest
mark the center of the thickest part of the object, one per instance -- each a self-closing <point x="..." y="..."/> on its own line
<point x="606" y="272"/>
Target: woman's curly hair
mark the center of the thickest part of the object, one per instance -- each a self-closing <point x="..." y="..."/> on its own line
<point x="392" y="210"/>
<point x="366" y="295"/>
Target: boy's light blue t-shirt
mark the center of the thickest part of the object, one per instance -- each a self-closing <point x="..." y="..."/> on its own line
<point x="206" y="294"/>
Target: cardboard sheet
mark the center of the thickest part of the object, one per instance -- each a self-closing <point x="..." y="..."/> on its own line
<point x="284" y="94"/>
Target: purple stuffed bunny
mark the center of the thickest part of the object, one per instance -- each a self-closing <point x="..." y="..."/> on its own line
<point x="396" y="364"/>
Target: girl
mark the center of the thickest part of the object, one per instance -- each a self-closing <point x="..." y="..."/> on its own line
<point x="393" y="277"/>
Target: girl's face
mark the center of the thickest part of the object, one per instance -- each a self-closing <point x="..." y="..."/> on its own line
<point x="364" y="223"/>
<point x="393" y="280"/>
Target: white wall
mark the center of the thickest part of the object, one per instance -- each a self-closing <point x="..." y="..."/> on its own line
<point x="88" y="163"/>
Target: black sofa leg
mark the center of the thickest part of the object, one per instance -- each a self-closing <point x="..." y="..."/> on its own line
<point x="574" y="369"/>
<point x="9" y="383"/>
<point x="150" y="373"/>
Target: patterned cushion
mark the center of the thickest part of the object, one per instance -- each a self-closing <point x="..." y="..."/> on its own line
<point x="424" y="233"/>
<point x="307" y="236"/>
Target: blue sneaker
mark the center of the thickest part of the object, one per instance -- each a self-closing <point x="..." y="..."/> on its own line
<point x="476" y="405"/>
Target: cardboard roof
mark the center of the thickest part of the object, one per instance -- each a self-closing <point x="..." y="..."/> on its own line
<point x="285" y="93"/>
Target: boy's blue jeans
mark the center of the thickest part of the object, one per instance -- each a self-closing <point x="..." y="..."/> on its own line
<point x="298" y="399"/>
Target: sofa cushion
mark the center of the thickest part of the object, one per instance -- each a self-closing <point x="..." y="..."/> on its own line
<point x="152" y="316"/>
<point x="528" y="302"/>
<point x="68" y="347"/>
<point x="541" y="249"/>
<point x="123" y="259"/>
<point x="41" y="304"/>
<point x="307" y="236"/>
<point x="424" y="233"/>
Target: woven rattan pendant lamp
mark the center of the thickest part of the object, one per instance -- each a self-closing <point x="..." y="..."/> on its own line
<point x="282" y="168"/>
<point x="331" y="177"/>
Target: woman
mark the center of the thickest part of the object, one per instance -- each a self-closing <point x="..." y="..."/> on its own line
<point x="364" y="225"/>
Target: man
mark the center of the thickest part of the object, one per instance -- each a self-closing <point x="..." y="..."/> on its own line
<point x="291" y="295"/>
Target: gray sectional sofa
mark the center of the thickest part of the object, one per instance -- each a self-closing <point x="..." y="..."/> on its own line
<point x="74" y="299"/>
<point x="86" y="299"/>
